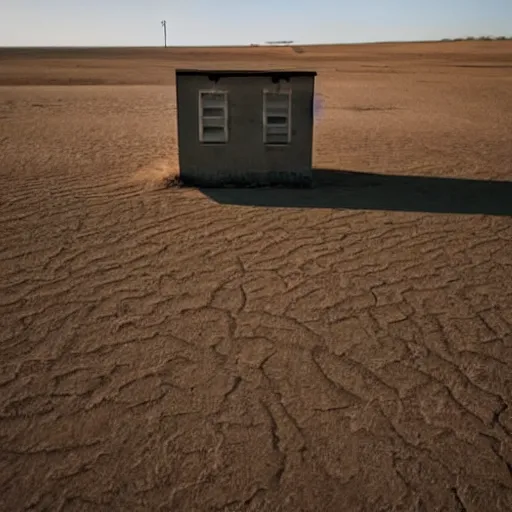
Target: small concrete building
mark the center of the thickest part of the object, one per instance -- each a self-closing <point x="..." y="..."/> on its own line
<point x="245" y="127"/>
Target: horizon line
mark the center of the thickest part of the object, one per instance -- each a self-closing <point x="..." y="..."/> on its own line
<point x="268" y="45"/>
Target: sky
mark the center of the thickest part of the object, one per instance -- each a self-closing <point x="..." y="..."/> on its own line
<point x="232" y="22"/>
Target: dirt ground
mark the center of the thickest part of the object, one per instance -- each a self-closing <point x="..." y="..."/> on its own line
<point x="346" y="348"/>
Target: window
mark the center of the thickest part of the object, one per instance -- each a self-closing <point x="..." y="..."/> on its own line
<point x="213" y="116"/>
<point x="277" y="117"/>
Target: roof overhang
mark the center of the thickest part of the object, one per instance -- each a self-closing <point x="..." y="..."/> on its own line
<point x="215" y="74"/>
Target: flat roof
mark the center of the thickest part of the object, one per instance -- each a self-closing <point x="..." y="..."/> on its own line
<point x="219" y="73"/>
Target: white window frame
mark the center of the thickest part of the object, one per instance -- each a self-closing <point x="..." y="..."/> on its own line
<point x="287" y="92"/>
<point x="201" y="117"/>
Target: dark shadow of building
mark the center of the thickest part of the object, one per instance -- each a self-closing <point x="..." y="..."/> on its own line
<point x="372" y="191"/>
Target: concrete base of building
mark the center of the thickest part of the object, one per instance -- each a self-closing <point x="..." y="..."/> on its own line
<point x="248" y="179"/>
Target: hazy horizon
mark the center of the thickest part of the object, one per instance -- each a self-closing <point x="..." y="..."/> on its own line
<point x="293" y="43"/>
<point x="113" y="23"/>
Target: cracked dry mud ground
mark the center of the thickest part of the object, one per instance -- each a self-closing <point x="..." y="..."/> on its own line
<point x="162" y="351"/>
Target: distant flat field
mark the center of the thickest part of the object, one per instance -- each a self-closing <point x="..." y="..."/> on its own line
<point x="345" y="348"/>
<point x="155" y="66"/>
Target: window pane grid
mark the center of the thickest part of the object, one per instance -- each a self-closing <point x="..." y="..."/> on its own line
<point x="276" y="117"/>
<point x="213" y="116"/>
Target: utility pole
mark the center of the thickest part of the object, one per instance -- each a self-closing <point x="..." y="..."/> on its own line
<point x="164" y="24"/>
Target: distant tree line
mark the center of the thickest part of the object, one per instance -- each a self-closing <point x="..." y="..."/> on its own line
<point x="481" y="38"/>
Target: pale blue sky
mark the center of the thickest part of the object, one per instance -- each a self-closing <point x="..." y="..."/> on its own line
<point x="208" y="22"/>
